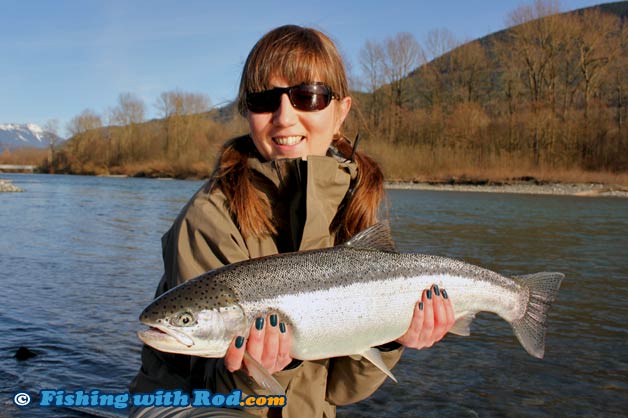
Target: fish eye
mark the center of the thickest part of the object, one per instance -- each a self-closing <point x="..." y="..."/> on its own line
<point x="183" y="319"/>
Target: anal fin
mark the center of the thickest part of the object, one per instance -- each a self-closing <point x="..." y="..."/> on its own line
<point x="462" y="326"/>
<point x="373" y="355"/>
<point x="261" y="376"/>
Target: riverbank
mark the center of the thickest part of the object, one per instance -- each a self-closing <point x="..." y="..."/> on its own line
<point x="520" y="187"/>
<point x="533" y="187"/>
<point x="7" y="186"/>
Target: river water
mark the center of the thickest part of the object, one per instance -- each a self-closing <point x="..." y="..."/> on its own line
<point x="80" y="257"/>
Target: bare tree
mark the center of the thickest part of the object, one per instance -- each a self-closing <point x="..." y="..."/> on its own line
<point x="469" y="78"/>
<point x="372" y="64"/>
<point x="130" y="110"/>
<point x="537" y="10"/>
<point x="85" y="132"/>
<point x="179" y="103"/>
<point x="534" y="42"/>
<point x="84" y="122"/>
<point x="533" y="49"/>
<point x="597" y="46"/>
<point x="618" y="82"/>
<point x="127" y="115"/>
<point x="51" y="134"/>
<point x="438" y="42"/>
<point x="403" y="55"/>
<point x="181" y="112"/>
<point x="437" y="73"/>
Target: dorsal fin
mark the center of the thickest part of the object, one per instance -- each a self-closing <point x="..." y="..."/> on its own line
<point x="376" y="237"/>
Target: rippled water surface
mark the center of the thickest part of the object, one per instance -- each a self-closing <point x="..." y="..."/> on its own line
<point x="80" y="257"/>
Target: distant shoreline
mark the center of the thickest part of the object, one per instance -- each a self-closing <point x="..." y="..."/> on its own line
<point x="560" y="189"/>
<point x="518" y="187"/>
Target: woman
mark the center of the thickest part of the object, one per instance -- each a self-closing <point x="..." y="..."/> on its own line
<point x="294" y="183"/>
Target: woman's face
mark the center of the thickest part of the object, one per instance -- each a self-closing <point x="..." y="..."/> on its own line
<point x="291" y="133"/>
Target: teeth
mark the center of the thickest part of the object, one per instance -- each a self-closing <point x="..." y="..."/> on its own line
<point x="288" y="140"/>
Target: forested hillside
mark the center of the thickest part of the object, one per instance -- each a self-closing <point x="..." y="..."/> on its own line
<point x="549" y="93"/>
<point x="545" y="98"/>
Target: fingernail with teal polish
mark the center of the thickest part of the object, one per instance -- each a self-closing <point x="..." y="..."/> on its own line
<point x="436" y="291"/>
<point x="429" y="294"/>
<point x="259" y="324"/>
<point x="273" y="320"/>
<point x="239" y="342"/>
<point x="445" y="294"/>
<point x="420" y="306"/>
<point x="282" y="328"/>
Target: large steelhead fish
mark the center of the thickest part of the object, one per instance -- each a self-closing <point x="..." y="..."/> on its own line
<point x="341" y="301"/>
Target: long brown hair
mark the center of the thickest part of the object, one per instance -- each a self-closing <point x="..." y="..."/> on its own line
<point x="360" y="207"/>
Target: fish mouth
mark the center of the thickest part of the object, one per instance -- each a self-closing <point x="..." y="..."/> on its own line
<point x="157" y="333"/>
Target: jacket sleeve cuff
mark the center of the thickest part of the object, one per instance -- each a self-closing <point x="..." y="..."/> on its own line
<point x="391" y="346"/>
<point x="293" y="365"/>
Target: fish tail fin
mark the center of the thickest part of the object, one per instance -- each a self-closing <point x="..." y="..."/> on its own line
<point x="530" y="329"/>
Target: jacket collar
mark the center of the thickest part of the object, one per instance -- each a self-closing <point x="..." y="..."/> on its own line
<point x="310" y="191"/>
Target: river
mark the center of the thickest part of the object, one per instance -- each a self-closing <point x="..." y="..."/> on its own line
<point x="80" y="257"/>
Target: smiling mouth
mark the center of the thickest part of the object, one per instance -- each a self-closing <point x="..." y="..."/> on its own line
<point x="288" y="140"/>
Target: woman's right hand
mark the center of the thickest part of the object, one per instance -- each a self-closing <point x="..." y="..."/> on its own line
<point x="269" y="344"/>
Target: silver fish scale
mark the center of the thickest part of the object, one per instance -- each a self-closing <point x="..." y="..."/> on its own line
<point x="311" y="271"/>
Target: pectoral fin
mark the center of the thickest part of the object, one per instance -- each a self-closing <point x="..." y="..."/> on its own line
<point x="463" y="325"/>
<point x="373" y="355"/>
<point x="261" y="376"/>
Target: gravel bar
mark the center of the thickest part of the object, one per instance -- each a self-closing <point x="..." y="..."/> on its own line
<point x="7" y="186"/>
<point x="567" y="189"/>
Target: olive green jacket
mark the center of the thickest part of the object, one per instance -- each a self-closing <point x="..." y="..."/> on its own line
<point x="305" y="196"/>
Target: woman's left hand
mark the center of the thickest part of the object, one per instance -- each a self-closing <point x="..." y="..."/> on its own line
<point x="433" y="318"/>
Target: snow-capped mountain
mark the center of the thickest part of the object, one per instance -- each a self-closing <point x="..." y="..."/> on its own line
<point x="13" y="135"/>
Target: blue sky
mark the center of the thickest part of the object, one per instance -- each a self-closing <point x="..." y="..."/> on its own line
<point x="59" y="57"/>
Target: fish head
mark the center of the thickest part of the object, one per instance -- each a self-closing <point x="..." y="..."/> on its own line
<point x="195" y="318"/>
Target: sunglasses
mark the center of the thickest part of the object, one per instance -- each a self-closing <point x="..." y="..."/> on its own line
<point x="305" y="97"/>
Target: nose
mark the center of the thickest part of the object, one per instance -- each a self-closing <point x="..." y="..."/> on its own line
<point x="286" y="114"/>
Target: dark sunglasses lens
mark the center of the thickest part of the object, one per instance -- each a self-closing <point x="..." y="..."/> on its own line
<point x="264" y="101"/>
<point x="304" y="97"/>
<point x="310" y="97"/>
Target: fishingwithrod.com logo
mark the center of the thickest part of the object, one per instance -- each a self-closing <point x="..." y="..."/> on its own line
<point x="160" y="398"/>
